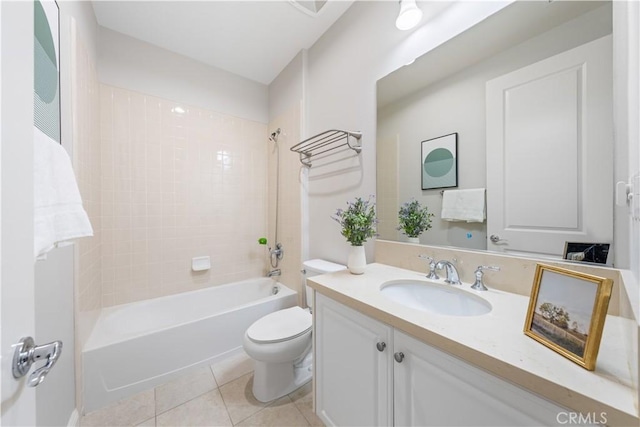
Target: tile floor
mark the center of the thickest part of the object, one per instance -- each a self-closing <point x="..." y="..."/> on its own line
<point x="219" y="395"/>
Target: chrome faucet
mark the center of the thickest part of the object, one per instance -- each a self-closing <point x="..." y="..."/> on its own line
<point x="479" y="285"/>
<point x="432" y="267"/>
<point x="452" y="274"/>
<point x="274" y="272"/>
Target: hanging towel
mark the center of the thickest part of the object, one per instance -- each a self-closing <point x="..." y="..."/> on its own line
<point x="464" y="205"/>
<point x="58" y="212"/>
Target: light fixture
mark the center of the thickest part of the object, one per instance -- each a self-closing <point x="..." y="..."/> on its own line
<point x="409" y="16"/>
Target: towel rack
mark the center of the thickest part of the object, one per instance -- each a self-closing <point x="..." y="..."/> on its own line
<point x="327" y="141"/>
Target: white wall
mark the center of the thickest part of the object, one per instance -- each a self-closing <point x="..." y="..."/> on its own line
<point x="343" y="67"/>
<point x="286" y="93"/>
<point x="457" y="104"/>
<point x="634" y="134"/>
<point x="286" y="90"/>
<point x="136" y="65"/>
<point x="627" y="107"/>
<point x="86" y="24"/>
<point x="626" y="36"/>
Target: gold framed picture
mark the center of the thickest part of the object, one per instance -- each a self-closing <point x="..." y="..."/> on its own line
<point x="566" y="312"/>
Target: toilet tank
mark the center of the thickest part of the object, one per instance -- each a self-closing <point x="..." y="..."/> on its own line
<point x="314" y="267"/>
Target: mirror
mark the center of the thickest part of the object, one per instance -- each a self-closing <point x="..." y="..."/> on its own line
<point x="444" y="92"/>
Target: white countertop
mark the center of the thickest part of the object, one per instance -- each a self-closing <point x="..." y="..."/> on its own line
<point x="496" y="342"/>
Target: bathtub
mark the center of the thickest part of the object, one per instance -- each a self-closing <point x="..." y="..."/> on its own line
<point x="134" y="347"/>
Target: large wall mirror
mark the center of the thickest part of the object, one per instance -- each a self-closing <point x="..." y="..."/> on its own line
<point x="528" y="92"/>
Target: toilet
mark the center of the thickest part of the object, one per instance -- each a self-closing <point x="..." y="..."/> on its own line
<point x="280" y="343"/>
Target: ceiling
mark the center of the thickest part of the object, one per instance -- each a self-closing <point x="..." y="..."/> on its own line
<point x="253" y="39"/>
<point x="514" y="24"/>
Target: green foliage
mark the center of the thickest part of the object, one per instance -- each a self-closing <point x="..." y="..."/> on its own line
<point x="414" y="219"/>
<point x="358" y="221"/>
<point x="556" y="315"/>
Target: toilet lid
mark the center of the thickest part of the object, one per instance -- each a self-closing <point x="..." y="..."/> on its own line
<point x="281" y="325"/>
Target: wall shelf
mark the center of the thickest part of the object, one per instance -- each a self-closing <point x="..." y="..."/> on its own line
<point x="327" y="141"/>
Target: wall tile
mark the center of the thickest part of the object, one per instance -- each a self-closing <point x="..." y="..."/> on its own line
<point x="290" y="204"/>
<point x="87" y="98"/>
<point x="176" y="183"/>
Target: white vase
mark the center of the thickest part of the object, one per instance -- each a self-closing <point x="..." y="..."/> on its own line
<point x="413" y="239"/>
<point x="357" y="260"/>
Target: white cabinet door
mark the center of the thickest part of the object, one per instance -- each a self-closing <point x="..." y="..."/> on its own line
<point x="550" y="152"/>
<point x="353" y="378"/>
<point x="432" y="388"/>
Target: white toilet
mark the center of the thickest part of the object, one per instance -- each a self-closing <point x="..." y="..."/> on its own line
<point x="280" y="343"/>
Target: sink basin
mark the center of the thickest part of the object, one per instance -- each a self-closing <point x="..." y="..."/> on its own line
<point x="435" y="298"/>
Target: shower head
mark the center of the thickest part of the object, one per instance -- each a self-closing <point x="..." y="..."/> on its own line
<point x="274" y="135"/>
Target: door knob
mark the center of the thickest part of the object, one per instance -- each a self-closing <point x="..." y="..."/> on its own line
<point x="399" y="356"/>
<point x="381" y="346"/>
<point x="495" y="238"/>
<point x="27" y="353"/>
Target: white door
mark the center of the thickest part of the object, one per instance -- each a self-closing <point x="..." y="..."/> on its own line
<point x="16" y="205"/>
<point x="550" y="152"/>
<point x="352" y="366"/>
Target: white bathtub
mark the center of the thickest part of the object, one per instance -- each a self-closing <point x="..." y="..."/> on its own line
<point x="134" y="347"/>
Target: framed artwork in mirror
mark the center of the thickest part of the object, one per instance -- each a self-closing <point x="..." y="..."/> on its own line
<point x="46" y="70"/>
<point x="566" y="312"/>
<point x="586" y="252"/>
<point x="439" y="163"/>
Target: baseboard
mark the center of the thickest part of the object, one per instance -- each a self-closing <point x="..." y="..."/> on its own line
<point x="74" y="419"/>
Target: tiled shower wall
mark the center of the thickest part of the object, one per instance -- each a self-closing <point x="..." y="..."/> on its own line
<point x="178" y="182"/>
<point x="289" y="209"/>
<point x="86" y="151"/>
<point x="86" y="127"/>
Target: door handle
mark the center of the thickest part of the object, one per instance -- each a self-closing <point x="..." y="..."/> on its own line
<point x="27" y="353"/>
<point x="496" y="239"/>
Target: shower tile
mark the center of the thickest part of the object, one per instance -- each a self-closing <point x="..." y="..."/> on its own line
<point x="183" y="389"/>
<point x="282" y="412"/>
<point x="126" y="412"/>
<point x="178" y="176"/>
<point x="239" y="399"/>
<point x="206" y="410"/>
<point x="232" y="368"/>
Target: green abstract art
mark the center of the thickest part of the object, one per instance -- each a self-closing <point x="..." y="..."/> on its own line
<point x="46" y="93"/>
<point x="439" y="162"/>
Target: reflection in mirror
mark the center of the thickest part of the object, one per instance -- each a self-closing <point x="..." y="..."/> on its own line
<point x="448" y="91"/>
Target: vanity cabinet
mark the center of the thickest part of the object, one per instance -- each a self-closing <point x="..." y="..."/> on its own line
<point x="353" y="369"/>
<point x="408" y="383"/>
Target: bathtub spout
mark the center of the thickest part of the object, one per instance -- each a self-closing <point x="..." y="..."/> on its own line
<point x="275" y="272"/>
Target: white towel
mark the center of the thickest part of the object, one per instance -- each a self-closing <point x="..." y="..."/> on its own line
<point x="58" y="212"/>
<point x="464" y="205"/>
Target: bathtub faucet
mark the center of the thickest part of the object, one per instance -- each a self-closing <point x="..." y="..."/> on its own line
<point x="275" y="272"/>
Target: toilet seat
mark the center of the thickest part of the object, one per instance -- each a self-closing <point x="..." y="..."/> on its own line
<point x="279" y="326"/>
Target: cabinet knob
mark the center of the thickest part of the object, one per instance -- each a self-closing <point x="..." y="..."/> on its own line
<point x="381" y="346"/>
<point x="399" y="356"/>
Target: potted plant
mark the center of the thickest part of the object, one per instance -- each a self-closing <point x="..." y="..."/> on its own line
<point x="414" y="220"/>
<point x="358" y="222"/>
